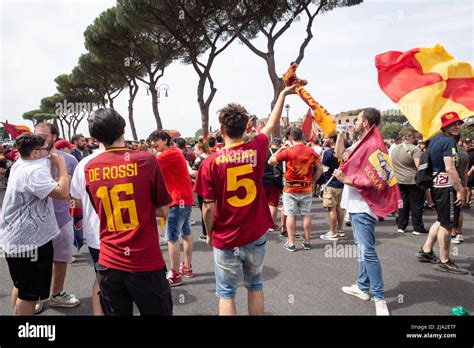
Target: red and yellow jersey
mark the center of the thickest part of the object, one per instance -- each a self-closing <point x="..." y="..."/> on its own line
<point x="300" y="162"/>
<point x="176" y="174"/>
<point x="232" y="178"/>
<point x="125" y="187"/>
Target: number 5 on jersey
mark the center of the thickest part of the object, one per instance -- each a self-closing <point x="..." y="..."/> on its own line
<point x="233" y="184"/>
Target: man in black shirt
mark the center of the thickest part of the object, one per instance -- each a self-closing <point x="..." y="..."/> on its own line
<point x="448" y="195"/>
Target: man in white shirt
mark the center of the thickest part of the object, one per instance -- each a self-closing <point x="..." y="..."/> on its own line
<point x="28" y="223"/>
<point x="363" y="222"/>
<point x="90" y="222"/>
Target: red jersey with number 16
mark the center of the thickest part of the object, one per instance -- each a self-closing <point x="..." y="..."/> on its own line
<point x="232" y="178"/>
<point x="125" y="187"/>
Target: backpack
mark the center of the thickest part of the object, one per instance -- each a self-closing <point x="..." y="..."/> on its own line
<point x="424" y="176"/>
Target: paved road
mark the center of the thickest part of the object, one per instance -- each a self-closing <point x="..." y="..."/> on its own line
<point x="308" y="282"/>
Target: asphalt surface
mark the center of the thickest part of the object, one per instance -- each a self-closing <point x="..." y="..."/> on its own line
<point x="307" y="282"/>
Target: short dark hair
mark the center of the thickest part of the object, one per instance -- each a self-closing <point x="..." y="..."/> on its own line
<point x="181" y="143"/>
<point x="160" y="134"/>
<point x="53" y="129"/>
<point x="219" y="138"/>
<point x="27" y="142"/>
<point x="76" y="137"/>
<point x="296" y="134"/>
<point x="234" y="119"/>
<point x="333" y="137"/>
<point x="106" y="125"/>
<point x="372" y="115"/>
<point x="211" y="141"/>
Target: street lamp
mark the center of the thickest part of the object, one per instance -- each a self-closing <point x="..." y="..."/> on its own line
<point x="165" y="88"/>
<point x="287" y="121"/>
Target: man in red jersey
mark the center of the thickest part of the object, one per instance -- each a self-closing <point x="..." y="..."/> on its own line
<point x="298" y="191"/>
<point x="128" y="192"/>
<point x="178" y="223"/>
<point x="235" y="210"/>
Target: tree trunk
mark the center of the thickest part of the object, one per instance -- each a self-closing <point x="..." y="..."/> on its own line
<point x="111" y="102"/>
<point x="132" y="91"/>
<point x="204" y="105"/>
<point x="61" y="122"/>
<point x="278" y="86"/>
<point x="154" y="102"/>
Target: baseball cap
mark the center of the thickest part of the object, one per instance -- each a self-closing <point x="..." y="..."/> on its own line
<point x="61" y="144"/>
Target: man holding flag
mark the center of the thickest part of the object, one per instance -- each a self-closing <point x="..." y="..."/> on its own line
<point x="370" y="191"/>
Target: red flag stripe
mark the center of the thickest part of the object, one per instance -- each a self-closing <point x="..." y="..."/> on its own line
<point x="400" y="73"/>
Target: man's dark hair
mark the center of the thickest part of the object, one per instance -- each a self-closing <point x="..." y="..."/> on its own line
<point x="53" y="129"/>
<point x="333" y="137"/>
<point x="160" y="134"/>
<point x="211" y="141"/>
<point x="296" y="134"/>
<point x="372" y="116"/>
<point x="181" y="143"/>
<point x="76" y="137"/>
<point x="106" y="125"/>
<point x="27" y="142"/>
<point x="234" y="119"/>
<point x="219" y="138"/>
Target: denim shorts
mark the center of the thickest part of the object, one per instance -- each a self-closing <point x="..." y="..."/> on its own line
<point x="178" y="222"/>
<point x="227" y="264"/>
<point x="296" y="204"/>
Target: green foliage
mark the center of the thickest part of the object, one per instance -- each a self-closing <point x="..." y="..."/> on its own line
<point x="467" y="131"/>
<point x="391" y="130"/>
<point x="393" y="116"/>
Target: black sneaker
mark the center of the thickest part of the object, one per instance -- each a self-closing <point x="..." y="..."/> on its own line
<point x="202" y="237"/>
<point x="306" y="246"/>
<point x="284" y="232"/>
<point x="288" y="247"/>
<point x="421" y="233"/>
<point x="348" y="223"/>
<point x="426" y="257"/>
<point x="450" y="267"/>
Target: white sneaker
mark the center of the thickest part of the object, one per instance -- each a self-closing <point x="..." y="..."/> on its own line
<point x="355" y="291"/>
<point x="457" y="239"/>
<point x="381" y="307"/>
<point x="39" y="307"/>
<point x="401" y="231"/>
<point x="64" y="300"/>
<point x="163" y="241"/>
<point x="329" y="236"/>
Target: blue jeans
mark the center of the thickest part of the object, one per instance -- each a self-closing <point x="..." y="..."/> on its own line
<point x="227" y="264"/>
<point x="370" y="269"/>
<point x="178" y="222"/>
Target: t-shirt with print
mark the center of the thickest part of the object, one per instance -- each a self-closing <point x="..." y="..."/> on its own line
<point x="441" y="146"/>
<point x="90" y="221"/>
<point x="177" y="179"/>
<point x="332" y="163"/>
<point x="403" y="163"/>
<point x="300" y="161"/>
<point x="351" y="199"/>
<point x="232" y="178"/>
<point x="27" y="218"/>
<point x="61" y="206"/>
<point x="125" y="188"/>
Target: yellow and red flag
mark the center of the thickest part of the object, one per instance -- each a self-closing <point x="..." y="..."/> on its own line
<point x="372" y="173"/>
<point x="427" y="83"/>
<point x="307" y="127"/>
<point x="325" y="121"/>
<point x="15" y="131"/>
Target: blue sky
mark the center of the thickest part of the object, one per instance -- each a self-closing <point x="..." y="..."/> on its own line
<point x="43" y="39"/>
